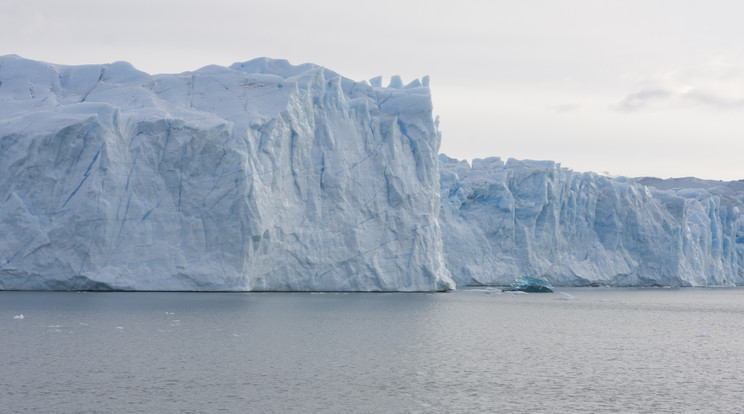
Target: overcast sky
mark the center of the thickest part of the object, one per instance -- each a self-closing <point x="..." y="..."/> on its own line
<point x="624" y="87"/>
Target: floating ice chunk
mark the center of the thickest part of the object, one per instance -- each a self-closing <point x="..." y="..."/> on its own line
<point x="19" y="316"/>
<point x="530" y="284"/>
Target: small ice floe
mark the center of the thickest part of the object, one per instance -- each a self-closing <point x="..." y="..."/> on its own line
<point x="169" y="313"/>
<point x="19" y="316"/>
<point x="566" y="296"/>
<point x="529" y="284"/>
<point x="703" y="335"/>
<point x="120" y="327"/>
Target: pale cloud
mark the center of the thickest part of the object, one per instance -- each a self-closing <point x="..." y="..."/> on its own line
<point x="717" y="85"/>
<point x="659" y="98"/>
<point x="645" y="98"/>
<point x="713" y="100"/>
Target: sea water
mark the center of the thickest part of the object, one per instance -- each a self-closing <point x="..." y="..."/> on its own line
<point x="469" y="351"/>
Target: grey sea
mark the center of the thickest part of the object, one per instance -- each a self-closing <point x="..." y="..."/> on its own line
<point x="587" y="350"/>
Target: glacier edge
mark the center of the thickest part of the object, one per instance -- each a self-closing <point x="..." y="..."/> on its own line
<point x="266" y="176"/>
<point x="501" y="220"/>
<point x="261" y="176"/>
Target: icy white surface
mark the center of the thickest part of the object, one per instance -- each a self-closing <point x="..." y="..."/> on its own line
<point x="533" y="218"/>
<point x="261" y="176"/>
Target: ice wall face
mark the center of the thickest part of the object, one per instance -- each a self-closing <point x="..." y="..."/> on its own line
<point x="501" y="221"/>
<point x="261" y="176"/>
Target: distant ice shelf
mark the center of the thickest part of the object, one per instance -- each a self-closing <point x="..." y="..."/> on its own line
<point x="503" y="220"/>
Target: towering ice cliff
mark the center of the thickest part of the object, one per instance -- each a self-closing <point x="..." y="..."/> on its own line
<point x="268" y="176"/>
<point x="500" y="221"/>
<point x="260" y="176"/>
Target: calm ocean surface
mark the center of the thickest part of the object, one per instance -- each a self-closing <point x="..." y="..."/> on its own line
<point x="470" y="351"/>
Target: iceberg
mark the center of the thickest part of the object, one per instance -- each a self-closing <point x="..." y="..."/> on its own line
<point x="530" y="285"/>
<point x="581" y="229"/>
<point x="255" y="177"/>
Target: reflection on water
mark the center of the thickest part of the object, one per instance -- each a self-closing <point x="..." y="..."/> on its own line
<point x="577" y="350"/>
